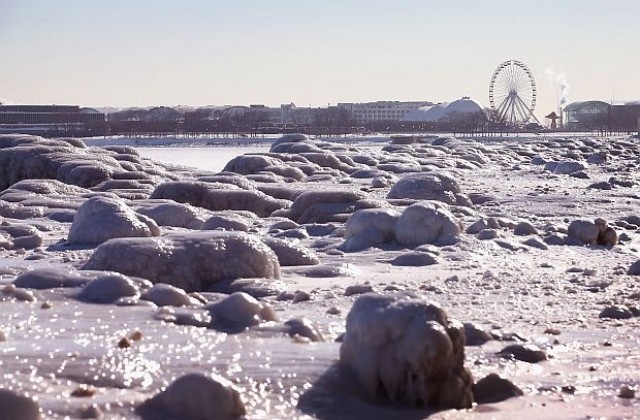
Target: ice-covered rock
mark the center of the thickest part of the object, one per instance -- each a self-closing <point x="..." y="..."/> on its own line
<point x="17" y="407"/>
<point x="304" y="328"/>
<point x="566" y="167"/>
<point x="291" y="253"/>
<point x="238" y="311"/>
<point x="173" y="214"/>
<point x="166" y="295"/>
<point x="108" y="288"/>
<point x="492" y="389"/>
<point x="226" y="222"/>
<point x="290" y="138"/>
<point x="190" y="261"/>
<point x="195" y="397"/>
<point x="427" y="222"/>
<point x="219" y="196"/>
<point x="586" y="232"/>
<point x="103" y="218"/>
<point x="369" y="227"/>
<point x="414" y="259"/>
<point x="21" y="236"/>
<point x="49" y="278"/>
<point x="406" y="351"/>
<point x="429" y="186"/>
<point x="324" y="206"/>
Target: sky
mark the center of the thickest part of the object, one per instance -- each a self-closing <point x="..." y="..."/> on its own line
<point x="207" y="52"/>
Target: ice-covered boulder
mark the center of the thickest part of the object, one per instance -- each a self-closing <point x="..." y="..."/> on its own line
<point x="565" y="167"/>
<point x="191" y="261"/>
<point x="291" y="253"/>
<point x="166" y="295"/>
<point x="586" y="232"/>
<point x="239" y="311"/>
<point x="429" y="186"/>
<point x="290" y="138"/>
<point x="227" y="221"/>
<point x="108" y="288"/>
<point x="219" y="197"/>
<point x="406" y="351"/>
<point x="369" y="227"/>
<point x="195" y="397"/>
<point x="173" y="214"/>
<point x="50" y="277"/>
<point x="103" y="218"/>
<point x="427" y="222"/>
<point x="21" y="235"/>
<point x="18" y="407"/>
<point x="324" y="206"/>
<point x="251" y="164"/>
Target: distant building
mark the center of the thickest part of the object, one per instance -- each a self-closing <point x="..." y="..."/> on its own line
<point x="598" y="115"/>
<point x="49" y="119"/>
<point x="447" y="111"/>
<point x="368" y="112"/>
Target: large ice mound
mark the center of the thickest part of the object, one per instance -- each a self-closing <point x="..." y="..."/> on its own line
<point x="404" y="350"/>
<point x="195" y="397"/>
<point x="191" y="261"/>
<point x="103" y="218"/>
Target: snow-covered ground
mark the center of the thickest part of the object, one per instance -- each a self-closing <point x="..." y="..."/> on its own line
<point x="517" y="268"/>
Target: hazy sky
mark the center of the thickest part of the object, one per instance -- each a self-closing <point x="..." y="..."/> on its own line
<point x="197" y="52"/>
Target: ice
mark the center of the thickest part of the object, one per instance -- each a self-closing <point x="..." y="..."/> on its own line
<point x="536" y="290"/>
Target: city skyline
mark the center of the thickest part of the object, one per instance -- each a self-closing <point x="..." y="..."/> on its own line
<point x="125" y="54"/>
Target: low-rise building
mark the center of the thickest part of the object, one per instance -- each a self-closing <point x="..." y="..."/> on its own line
<point x="49" y="119"/>
<point x="368" y="112"/>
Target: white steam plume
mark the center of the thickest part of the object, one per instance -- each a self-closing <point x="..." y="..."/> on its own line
<point x="559" y="79"/>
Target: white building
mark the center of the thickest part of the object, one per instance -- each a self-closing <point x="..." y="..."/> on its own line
<point x="381" y="110"/>
<point x="446" y="111"/>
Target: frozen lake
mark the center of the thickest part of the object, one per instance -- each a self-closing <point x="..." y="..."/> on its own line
<point x="209" y="158"/>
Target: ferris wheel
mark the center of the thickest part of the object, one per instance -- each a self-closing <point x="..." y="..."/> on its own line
<point x="512" y="93"/>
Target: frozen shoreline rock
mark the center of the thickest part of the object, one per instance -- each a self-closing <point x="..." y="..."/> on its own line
<point x="429" y="186"/>
<point x="369" y="227"/>
<point x="17" y="407"/>
<point x="191" y="261"/>
<point x="195" y="397"/>
<point x="103" y="218"/>
<point x="217" y="197"/>
<point x="427" y="222"/>
<point x="406" y="351"/>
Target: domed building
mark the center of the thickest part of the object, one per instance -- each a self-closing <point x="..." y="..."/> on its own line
<point x="464" y="107"/>
<point x="430" y="113"/>
<point x="446" y="111"/>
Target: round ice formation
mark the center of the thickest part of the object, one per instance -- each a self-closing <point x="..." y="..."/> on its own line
<point x="369" y="227"/>
<point x="429" y="186"/>
<point x="103" y="218"/>
<point x="17" y="407"/>
<point x="49" y="278"/>
<point x="427" y="222"/>
<point x="291" y="253"/>
<point x="191" y="261"/>
<point x="290" y="138"/>
<point x="195" y="397"/>
<point x="323" y="206"/>
<point x="166" y="295"/>
<point x="108" y="288"/>
<point x="173" y="214"/>
<point x="239" y="310"/>
<point x="226" y="222"/>
<point x="219" y="196"/>
<point x="405" y="351"/>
